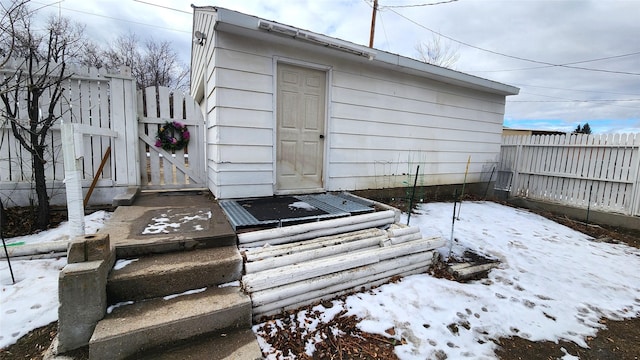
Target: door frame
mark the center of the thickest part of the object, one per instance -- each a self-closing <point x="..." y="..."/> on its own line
<point x="327" y="115"/>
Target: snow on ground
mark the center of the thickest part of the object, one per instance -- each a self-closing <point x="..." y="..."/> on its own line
<point x="302" y="205"/>
<point x="178" y="220"/>
<point x="553" y="283"/>
<point x="33" y="301"/>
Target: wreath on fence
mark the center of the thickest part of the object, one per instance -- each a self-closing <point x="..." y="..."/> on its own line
<point x="172" y="136"/>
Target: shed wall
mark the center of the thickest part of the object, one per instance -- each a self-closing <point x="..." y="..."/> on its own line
<point x="381" y="123"/>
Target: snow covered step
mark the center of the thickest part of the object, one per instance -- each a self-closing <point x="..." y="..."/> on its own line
<point x="145" y="325"/>
<point x="165" y="274"/>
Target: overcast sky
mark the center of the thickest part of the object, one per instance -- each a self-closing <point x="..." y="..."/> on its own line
<point x="549" y="37"/>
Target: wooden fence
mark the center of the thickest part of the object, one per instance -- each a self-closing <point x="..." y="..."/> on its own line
<point x="575" y="170"/>
<point x="106" y="103"/>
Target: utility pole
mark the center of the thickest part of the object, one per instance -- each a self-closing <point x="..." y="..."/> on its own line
<point x="373" y="22"/>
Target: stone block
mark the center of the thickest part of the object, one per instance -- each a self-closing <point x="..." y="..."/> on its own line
<point x="127" y="198"/>
<point x="82" y="293"/>
<point x="89" y="248"/>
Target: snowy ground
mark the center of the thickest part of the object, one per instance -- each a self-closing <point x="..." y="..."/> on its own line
<point x="33" y="301"/>
<point x="553" y="283"/>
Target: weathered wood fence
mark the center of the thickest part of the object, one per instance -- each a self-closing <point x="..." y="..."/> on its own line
<point x="105" y="112"/>
<point x="574" y="170"/>
<point x="92" y="99"/>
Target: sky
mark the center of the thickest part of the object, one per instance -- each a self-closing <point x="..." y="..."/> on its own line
<point x="575" y="61"/>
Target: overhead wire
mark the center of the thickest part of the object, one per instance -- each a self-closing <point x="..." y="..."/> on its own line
<point x="580" y="90"/>
<point x="164" y="7"/>
<point x="114" y="18"/>
<point x="571" y="63"/>
<point x="569" y="66"/>
<point x="419" y="5"/>
<point x="384" y="30"/>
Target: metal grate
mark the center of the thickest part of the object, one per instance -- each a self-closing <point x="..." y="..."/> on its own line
<point x="334" y="205"/>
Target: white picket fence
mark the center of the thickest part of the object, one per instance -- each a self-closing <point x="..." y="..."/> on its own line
<point x="575" y="170"/>
<point x="103" y="108"/>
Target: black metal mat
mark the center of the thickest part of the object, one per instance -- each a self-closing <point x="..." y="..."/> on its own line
<point x="287" y="210"/>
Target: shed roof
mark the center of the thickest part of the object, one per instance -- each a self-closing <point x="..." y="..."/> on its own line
<point x="253" y="26"/>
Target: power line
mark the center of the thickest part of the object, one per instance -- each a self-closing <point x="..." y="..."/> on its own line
<point x="419" y="5"/>
<point x="571" y="63"/>
<point x="117" y="19"/>
<point x="511" y="56"/>
<point x="581" y="90"/>
<point x="565" y="100"/>
<point x="164" y="7"/>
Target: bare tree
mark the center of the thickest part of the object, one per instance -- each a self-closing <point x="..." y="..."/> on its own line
<point x="152" y="63"/>
<point x="9" y="16"/>
<point x="31" y="92"/>
<point x="436" y="52"/>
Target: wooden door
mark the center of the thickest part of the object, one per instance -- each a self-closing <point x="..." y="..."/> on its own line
<point x="300" y="128"/>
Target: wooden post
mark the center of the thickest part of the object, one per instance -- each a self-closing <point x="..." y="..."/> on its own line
<point x="373" y="23"/>
<point x="95" y="178"/>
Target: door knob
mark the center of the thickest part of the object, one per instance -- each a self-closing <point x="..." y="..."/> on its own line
<point x="321" y="136"/>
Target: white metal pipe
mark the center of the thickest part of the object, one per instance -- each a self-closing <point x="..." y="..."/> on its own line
<point x="342" y="278"/>
<point x="320" y="252"/>
<point x="287" y="231"/>
<point x="403" y="231"/>
<point x="405" y="238"/>
<point x="329" y="293"/>
<point x="296" y="272"/>
<point x="35" y="249"/>
<point x="321" y="232"/>
<point x="255" y="254"/>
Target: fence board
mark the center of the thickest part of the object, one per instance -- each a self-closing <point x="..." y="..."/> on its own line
<point x="87" y="99"/>
<point x="570" y="169"/>
<point x="173" y="169"/>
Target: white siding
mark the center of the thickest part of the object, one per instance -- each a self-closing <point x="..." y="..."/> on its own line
<point x="381" y="123"/>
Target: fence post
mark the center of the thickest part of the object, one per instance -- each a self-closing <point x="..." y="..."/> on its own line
<point x="634" y="208"/>
<point x="514" y="180"/>
<point x="73" y="178"/>
<point x="125" y="123"/>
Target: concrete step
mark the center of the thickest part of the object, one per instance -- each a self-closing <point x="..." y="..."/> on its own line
<point x="165" y="274"/>
<point x="233" y="345"/>
<point x="145" y="325"/>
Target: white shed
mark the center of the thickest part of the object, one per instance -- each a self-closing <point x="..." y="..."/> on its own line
<point x="292" y="111"/>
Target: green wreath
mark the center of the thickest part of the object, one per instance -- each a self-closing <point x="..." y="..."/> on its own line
<point x="172" y="136"/>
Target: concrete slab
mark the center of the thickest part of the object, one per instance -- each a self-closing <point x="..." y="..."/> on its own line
<point x="147" y="324"/>
<point x="166" y="222"/>
<point x="164" y="274"/>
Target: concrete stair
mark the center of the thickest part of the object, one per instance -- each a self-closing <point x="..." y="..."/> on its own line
<point x="231" y="345"/>
<point x="144" y="325"/>
<point x="171" y="273"/>
<point x="178" y="309"/>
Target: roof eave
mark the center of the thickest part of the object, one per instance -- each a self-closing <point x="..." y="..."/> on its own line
<point x="404" y="64"/>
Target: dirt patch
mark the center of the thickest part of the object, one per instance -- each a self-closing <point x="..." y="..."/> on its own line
<point x="21" y="220"/>
<point x="32" y="345"/>
<point x="341" y="338"/>
<point x="619" y="341"/>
